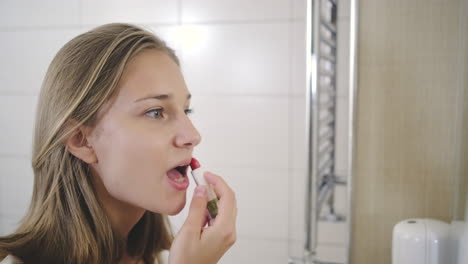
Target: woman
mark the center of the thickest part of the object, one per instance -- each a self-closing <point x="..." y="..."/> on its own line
<point x="111" y="126"/>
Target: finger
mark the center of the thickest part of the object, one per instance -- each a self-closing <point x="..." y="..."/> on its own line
<point x="227" y="203"/>
<point x="196" y="214"/>
<point x="207" y="219"/>
<point x="220" y="186"/>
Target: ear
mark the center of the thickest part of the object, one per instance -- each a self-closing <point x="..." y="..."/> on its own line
<point x="78" y="144"/>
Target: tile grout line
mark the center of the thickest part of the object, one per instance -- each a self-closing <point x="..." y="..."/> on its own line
<point x="14" y="155"/>
<point x="279" y="95"/>
<point x="81" y="24"/>
<point x="290" y="125"/>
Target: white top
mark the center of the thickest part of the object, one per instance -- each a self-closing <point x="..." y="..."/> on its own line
<point x="10" y="260"/>
<point x="14" y="260"/>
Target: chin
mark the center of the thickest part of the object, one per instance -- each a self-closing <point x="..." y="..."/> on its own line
<point x="176" y="209"/>
<point x="170" y="208"/>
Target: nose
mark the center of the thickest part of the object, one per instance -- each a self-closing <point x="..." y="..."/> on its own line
<point x="186" y="135"/>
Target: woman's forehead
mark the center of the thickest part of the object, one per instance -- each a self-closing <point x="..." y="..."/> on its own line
<point x="151" y="72"/>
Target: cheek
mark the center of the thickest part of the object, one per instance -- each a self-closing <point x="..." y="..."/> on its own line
<point x="129" y="156"/>
<point x="133" y="165"/>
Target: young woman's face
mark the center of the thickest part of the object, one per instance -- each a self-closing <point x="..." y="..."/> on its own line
<point x="144" y="134"/>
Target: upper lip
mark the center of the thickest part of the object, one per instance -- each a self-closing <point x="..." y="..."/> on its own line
<point x="183" y="163"/>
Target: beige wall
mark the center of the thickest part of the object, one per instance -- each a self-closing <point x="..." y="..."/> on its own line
<point x="407" y="134"/>
<point x="463" y="191"/>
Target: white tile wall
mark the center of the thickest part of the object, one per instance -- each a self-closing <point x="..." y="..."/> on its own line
<point x="45" y="13"/>
<point x="17" y="115"/>
<point x="242" y="131"/>
<point x="344" y="9"/>
<point x="342" y="134"/>
<point x="244" y="62"/>
<point x="299" y="135"/>
<point x="299" y="9"/>
<point x="257" y="250"/>
<point x="171" y="34"/>
<point x="333" y="236"/>
<point x="341" y="200"/>
<point x="26" y="54"/>
<point x="229" y="60"/>
<point x="138" y="11"/>
<point x="343" y="57"/>
<point x="298" y="185"/>
<point x="297" y="153"/>
<point x="298" y="58"/>
<point x="332" y="233"/>
<point x="16" y="182"/>
<point x="295" y="248"/>
<point x="327" y="253"/>
<point x="8" y="223"/>
<point x="263" y="210"/>
<point x="331" y="253"/>
<point x="239" y="10"/>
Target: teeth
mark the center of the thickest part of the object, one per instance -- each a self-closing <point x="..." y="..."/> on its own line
<point x="179" y="179"/>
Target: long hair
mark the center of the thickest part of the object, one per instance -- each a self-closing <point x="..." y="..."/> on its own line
<point x="65" y="222"/>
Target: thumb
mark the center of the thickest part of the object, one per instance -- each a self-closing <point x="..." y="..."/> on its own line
<point x="196" y="215"/>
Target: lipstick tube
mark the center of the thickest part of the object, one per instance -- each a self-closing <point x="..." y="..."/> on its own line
<point x="197" y="174"/>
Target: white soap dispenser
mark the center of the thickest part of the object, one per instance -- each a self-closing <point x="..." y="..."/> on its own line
<point x="421" y="241"/>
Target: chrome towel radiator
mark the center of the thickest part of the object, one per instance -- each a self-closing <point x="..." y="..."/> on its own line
<point x="320" y="121"/>
<point x="321" y="101"/>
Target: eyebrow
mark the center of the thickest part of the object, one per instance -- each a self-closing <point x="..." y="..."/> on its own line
<point x="159" y="97"/>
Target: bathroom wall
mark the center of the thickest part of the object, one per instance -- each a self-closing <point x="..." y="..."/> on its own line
<point x="408" y="118"/>
<point x="462" y="211"/>
<point x="244" y="62"/>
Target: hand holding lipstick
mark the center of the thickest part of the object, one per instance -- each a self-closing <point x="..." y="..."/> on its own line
<point x="212" y="206"/>
<point x="198" y="245"/>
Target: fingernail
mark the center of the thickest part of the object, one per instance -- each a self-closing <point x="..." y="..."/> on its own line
<point x="200" y="191"/>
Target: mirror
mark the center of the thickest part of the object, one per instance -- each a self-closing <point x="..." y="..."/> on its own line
<point x="391" y="75"/>
<point x="406" y="110"/>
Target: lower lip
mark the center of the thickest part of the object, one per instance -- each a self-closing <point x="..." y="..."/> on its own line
<point x="180" y="186"/>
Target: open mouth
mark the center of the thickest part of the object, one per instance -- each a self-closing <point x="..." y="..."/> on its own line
<point x="178" y="174"/>
<point x="178" y="178"/>
<point x="182" y="170"/>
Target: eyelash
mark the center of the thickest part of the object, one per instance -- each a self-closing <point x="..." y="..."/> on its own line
<point x="188" y="111"/>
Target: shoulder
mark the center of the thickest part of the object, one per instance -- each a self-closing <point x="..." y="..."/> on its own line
<point x="11" y="260"/>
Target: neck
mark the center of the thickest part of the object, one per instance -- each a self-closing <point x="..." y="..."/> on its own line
<point x="128" y="260"/>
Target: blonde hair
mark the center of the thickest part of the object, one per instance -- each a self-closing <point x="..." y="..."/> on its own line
<point x="65" y="222"/>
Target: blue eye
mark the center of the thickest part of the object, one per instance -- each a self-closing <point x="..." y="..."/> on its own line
<point x="154" y="113"/>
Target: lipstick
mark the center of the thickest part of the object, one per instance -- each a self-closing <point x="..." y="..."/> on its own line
<point x="197" y="174"/>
